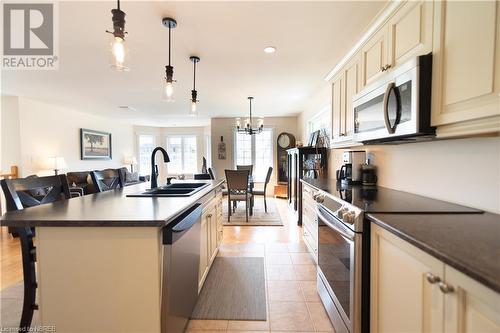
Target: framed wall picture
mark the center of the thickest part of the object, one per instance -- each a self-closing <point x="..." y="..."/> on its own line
<point x="221" y="149"/>
<point x="95" y="145"/>
<point x="314" y="141"/>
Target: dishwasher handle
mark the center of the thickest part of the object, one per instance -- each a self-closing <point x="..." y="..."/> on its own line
<point x="181" y="224"/>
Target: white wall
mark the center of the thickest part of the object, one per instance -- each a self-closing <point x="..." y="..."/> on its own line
<point x="39" y="130"/>
<point x="225" y="127"/>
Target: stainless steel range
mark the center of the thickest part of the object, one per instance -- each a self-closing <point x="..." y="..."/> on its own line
<point x="344" y="245"/>
<point x="342" y="265"/>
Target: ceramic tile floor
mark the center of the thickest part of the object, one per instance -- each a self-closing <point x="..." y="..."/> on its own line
<point x="293" y="305"/>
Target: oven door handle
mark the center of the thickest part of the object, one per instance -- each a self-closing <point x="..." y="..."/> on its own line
<point x="333" y="226"/>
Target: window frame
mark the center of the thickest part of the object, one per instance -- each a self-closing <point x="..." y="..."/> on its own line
<point x="139" y="151"/>
<point x="183" y="166"/>
<point x="253" y="154"/>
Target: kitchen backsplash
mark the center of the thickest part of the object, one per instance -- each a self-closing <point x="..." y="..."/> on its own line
<point x="465" y="171"/>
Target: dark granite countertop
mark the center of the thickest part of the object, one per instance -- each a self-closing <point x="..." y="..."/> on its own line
<point x="468" y="242"/>
<point x="108" y="209"/>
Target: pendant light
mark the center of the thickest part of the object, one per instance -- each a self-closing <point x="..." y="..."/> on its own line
<point x="248" y="128"/>
<point x="168" y="89"/>
<point x="194" y="93"/>
<point x="118" y="47"/>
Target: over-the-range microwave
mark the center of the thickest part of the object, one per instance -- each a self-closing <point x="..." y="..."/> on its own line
<point x="396" y="108"/>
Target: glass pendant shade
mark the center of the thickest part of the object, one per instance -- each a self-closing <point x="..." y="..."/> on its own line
<point x="119" y="54"/>
<point x="193" y="109"/>
<point x="168" y="91"/>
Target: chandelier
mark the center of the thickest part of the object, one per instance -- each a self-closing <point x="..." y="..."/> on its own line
<point x="248" y="128"/>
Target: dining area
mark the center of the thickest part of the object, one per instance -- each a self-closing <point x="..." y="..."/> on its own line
<point x="241" y="191"/>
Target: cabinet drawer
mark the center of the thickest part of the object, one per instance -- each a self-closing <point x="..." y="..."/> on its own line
<point x="311" y="225"/>
<point x="311" y="243"/>
<point x="309" y="211"/>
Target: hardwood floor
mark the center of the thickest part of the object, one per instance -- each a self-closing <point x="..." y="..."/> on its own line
<point x="292" y="301"/>
<point x="11" y="268"/>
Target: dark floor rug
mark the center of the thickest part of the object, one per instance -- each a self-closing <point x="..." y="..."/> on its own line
<point x="234" y="290"/>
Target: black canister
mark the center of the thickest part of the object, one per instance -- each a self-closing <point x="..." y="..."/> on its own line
<point x="369" y="173"/>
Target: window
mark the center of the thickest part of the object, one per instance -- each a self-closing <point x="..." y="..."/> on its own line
<point x="208" y="150"/>
<point x="183" y="154"/>
<point x="146" y="146"/>
<point x="257" y="150"/>
<point x="320" y="121"/>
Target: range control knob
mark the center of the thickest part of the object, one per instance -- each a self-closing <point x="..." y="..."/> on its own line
<point x="319" y="198"/>
<point x="349" y="217"/>
<point x="341" y="212"/>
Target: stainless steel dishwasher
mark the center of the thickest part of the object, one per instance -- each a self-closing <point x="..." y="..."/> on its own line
<point x="181" y="261"/>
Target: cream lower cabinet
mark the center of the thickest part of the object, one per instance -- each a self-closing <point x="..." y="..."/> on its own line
<point x="466" y="68"/>
<point x="411" y="291"/>
<point x="310" y="220"/>
<point x="210" y="236"/>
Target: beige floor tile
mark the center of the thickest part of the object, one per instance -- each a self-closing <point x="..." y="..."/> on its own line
<point x="243" y="325"/>
<point x="276" y="248"/>
<point x="285" y="291"/>
<point x="297" y="247"/>
<point x="305" y="272"/>
<point x="278" y="259"/>
<point x="240" y="254"/>
<point x="319" y="317"/>
<point x="196" y="324"/>
<point x="309" y="289"/>
<point x="290" y="316"/>
<point x="302" y="259"/>
<point x="204" y="331"/>
<point x="280" y="272"/>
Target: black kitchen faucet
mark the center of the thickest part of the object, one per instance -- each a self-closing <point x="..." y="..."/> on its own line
<point x="154" y="167"/>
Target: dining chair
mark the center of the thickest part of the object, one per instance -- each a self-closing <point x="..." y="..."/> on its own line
<point x="23" y="193"/>
<point x="105" y="180"/>
<point x="263" y="191"/>
<point x="245" y="167"/>
<point x="237" y="190"/>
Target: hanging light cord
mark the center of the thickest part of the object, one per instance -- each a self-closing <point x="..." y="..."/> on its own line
<point x="118" y="4"/>
<point x="250" y="112"/>
<point x="169" y="47"/>
<point x="194" y="75"/>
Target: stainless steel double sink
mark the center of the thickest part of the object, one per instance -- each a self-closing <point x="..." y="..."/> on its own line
<point x="172" y="190"/>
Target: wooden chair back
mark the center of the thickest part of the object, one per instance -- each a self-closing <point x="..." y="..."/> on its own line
<point x="237" y="180"/>
<point x="268" y="177"/>
<point x="106" y="180"/>
<point x="245" y="167"/>
<point x="32" y="191"/>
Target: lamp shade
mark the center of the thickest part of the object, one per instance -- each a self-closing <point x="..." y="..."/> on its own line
<point x="130" y="160"/>
<point x="57" y="163"/>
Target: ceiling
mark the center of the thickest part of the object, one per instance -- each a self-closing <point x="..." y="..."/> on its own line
<point x="229" y="37"/>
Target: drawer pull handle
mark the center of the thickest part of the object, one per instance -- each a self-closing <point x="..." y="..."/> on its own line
<point x="432" y="279"/>
<point x="445" y="288"/>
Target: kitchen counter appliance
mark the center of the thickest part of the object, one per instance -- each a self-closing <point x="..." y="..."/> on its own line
<point x="181" y="261"/>
<point x="351" y="170"/>
<point x="397" y="107"/>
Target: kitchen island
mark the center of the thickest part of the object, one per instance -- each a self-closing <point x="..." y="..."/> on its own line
<point x="101" y="262"/>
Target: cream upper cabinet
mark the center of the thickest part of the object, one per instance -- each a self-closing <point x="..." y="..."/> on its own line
<point x="404" y="296"/>
<point x="338" y="106"/>
<point x="352" y="75"/>
<point x="410" y="32"/>
<point x="466" y="73"/>
<point x="374" y="56"/>
<point x="469" y="306"/>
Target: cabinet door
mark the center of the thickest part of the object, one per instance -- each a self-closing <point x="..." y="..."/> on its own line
<point x="338" y="106"/>
<point x="410" y="31"/>
<point x="212" y="220"/>
<point x="470" y="306"/>
<point x="352" y="77"/>
<point x="220" y="226"/>
<point x="466" y="77"/>
<point x="374" y="56"/>
<point x="204" y="240"/>
<point x="402" y="298"/>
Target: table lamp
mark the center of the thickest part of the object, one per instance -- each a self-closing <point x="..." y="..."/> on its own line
<point x="57" y="163"/>
<point x="130" y="160"/>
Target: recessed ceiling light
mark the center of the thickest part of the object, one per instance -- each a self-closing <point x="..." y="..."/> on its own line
<point x="270" y="49"/>
<point x="126" y="107"/>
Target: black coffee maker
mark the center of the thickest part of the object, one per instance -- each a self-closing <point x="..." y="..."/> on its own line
<point x="350" y="172"/>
